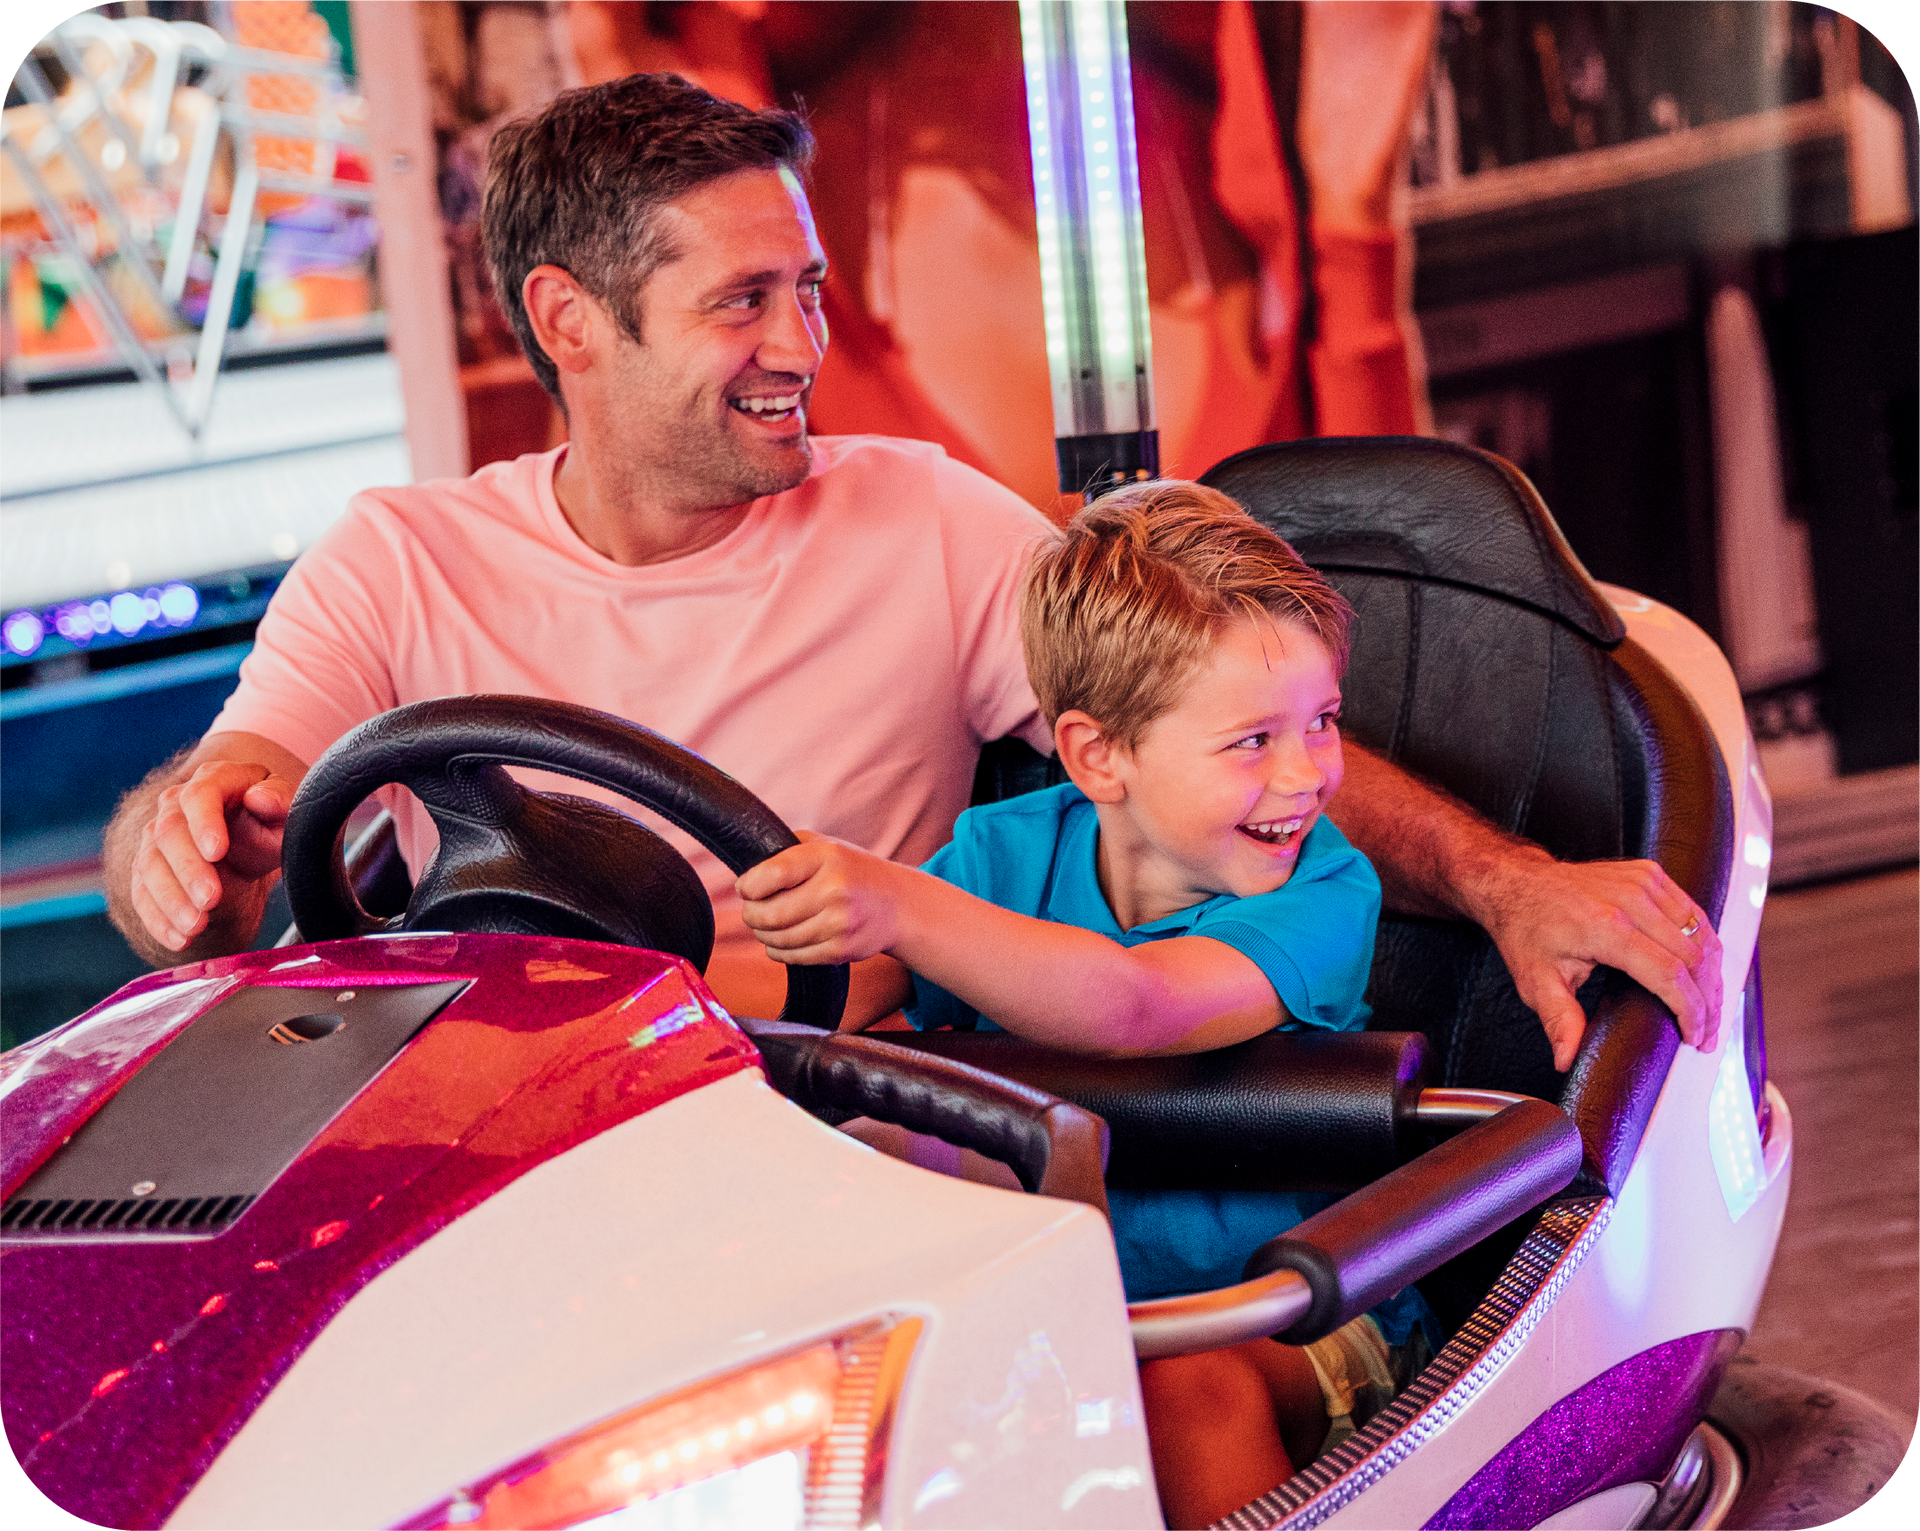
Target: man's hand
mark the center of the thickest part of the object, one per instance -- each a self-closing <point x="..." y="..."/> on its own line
<point x="194" y="850"/>
<point x="1555" y="921"/>
<point x="822" y="901"/>
<point x="213" y="839"/>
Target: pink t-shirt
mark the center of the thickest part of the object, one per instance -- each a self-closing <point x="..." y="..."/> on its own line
<point x="844" y="652"/>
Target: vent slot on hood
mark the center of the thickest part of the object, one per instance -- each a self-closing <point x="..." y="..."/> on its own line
<point x="191" y="1214"/>
<point x="186" y="1145"/>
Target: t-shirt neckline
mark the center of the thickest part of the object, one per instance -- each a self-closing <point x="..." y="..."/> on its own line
<point x="716" y="558"/>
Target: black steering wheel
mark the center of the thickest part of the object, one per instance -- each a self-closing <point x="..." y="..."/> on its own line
<point x="512" y="860"/>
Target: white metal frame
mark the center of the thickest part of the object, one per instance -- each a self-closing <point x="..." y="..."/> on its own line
<point x="87" y="41"/>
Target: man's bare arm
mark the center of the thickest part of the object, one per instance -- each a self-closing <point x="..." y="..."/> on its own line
<point x="194" y="850"/>
<point x="1553" y="921"/>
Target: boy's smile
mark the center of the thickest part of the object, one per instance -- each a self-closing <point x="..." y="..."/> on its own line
<point x="1223" y="788"/>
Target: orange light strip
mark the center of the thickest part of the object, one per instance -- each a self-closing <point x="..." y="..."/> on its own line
<point x="652" y="1450"/>
<point x="832" y="1404"/>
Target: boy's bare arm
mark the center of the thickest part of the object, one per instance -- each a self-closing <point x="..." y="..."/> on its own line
<point x="1553" y="921"/>
<point x="824" y="901"/>
<point x="194" y="850"/>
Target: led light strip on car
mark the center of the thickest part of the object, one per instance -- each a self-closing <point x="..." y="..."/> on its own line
<point x="798" y="1440"/>
<point x="1093" y="254"/>
<point x="1534" y="1277"/>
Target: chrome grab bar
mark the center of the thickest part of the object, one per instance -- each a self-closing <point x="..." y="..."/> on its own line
<point x="1462" y="1108"/>
<point x="1231" y="1315"/>
<point x="1182" y="1326"/>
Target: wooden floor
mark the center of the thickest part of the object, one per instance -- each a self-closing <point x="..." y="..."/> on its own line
<point x="1840" y="966"/>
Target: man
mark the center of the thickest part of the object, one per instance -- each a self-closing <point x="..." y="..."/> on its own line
<point x="833" y="621"/>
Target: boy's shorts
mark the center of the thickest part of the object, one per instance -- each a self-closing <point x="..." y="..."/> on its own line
<point x="1360" y="1374"/>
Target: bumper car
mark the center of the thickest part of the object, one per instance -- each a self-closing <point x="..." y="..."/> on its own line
<point x="484" y="1213"/>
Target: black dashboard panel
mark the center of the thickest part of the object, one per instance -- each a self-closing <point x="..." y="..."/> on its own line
<point x="190" y="1140"/>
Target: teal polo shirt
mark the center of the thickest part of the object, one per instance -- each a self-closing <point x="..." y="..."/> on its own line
<point x="1312" y="937"/>
<point x="1035" y="855"/>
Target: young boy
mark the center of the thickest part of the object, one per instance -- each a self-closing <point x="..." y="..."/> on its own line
<point x="1184" y="892"/>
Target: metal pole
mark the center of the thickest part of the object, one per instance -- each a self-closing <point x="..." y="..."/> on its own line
<point x="1093" y="264"/>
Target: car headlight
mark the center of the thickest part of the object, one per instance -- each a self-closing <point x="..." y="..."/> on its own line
<point x="799" y="1441"/>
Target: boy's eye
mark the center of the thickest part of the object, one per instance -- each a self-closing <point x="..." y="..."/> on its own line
<point x="1325" y="721"/>
<point x="1251" y="742"/>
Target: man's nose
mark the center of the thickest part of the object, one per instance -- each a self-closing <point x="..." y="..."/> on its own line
<point x="795" y="338"/>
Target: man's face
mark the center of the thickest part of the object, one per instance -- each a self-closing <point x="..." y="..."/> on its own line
<point x="711" y="405"/>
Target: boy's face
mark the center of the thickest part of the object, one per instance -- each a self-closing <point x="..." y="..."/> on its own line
<point x="1222" y="789"/>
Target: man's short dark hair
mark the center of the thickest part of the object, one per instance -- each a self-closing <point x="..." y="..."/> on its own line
<point x="580" y="186"/>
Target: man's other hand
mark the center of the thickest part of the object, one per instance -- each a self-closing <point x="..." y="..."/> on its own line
<point x="1555" y="921"/>
<point x="194" y="850"/>
<point x="212" y="838"/>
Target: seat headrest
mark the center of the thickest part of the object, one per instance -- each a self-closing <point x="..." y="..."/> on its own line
<point x="1414" y="506"/>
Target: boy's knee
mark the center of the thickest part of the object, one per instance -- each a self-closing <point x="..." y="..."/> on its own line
<point x="1217" y="1383"/>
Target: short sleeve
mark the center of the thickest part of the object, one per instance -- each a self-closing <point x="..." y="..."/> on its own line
<point x="319" y="664"/>
<point x="990" y="534"/>
<point x="1312" y="937"/>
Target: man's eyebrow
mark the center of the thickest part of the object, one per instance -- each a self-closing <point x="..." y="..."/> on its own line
<point x="742" y="280"/>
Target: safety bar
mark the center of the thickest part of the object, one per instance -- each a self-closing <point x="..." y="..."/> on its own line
<point x="1340" y="1262"/>
<point x="1180" y="1326"/>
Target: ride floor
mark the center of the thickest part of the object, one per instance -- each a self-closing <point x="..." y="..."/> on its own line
<point x="1840" y="965"/>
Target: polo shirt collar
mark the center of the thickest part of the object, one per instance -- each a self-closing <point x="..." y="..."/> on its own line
<point x="1076" y="899"/>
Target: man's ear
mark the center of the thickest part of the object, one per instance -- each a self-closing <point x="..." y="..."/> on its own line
<point x="1093" y="762"/>
<point x="565" y="319"/>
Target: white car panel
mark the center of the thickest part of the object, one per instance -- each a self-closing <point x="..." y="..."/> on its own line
<point x="720" y="1228"/>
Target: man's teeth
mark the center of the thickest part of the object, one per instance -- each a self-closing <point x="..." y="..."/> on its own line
<point x="779" y="404"/>
<point x="1274" y="831"/>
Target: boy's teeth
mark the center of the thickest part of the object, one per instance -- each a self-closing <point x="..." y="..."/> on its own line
<point x="1274" y="831"/>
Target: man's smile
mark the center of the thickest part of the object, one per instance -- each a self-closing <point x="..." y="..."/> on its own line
<point x="771" y="407"/>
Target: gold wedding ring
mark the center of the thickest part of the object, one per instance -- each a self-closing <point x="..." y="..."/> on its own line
<point x="1690" y="927"/>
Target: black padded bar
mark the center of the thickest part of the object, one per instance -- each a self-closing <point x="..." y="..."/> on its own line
<point x="1688" y="828"/>
<point x="1303" y="1111"/>
<point x="1051" y="1145"/>
<point x="1374" y="1242"/>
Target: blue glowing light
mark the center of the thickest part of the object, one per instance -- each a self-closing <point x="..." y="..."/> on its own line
<point x="25" y="632"/>
<point x="125" y="614"/>
<point x="179" y="604"/>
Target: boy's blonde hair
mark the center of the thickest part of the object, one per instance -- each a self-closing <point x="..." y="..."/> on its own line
<point x="1117" y="612"/>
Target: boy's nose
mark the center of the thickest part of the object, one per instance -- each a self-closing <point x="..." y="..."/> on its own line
<point x="1296" y="773"/>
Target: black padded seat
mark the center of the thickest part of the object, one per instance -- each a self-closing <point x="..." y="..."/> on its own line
<point x="1485" y="659"/>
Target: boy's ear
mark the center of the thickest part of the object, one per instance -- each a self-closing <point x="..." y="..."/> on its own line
<point x="1089" y="757"/>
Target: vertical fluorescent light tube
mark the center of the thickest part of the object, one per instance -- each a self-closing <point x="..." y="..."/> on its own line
<point x="1093" y="254"/>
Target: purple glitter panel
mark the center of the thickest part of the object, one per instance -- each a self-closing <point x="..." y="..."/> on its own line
<point x="130" y="1363"/>
<point x="1625" y="1426"/>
